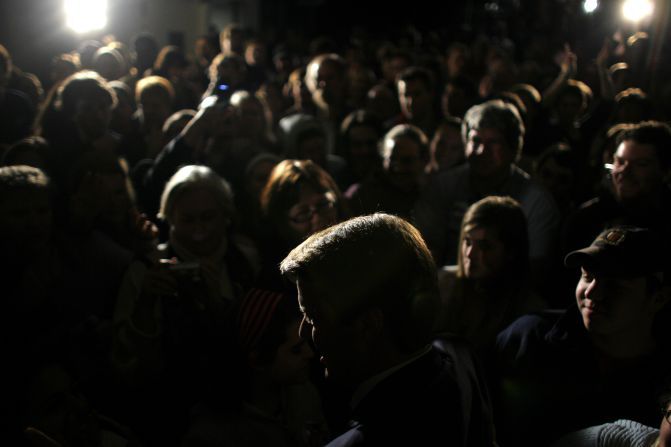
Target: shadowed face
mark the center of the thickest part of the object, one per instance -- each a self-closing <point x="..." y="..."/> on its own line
<point x="665" y="429"/>
<point x="198" y="221"/>
<point x="447" y="148"/>
<point x="488" y="153"/>
<point x="292" y="360"/>
<point x="25" y="221"/>
<point x="415" y="99"/>
<point x="403" y="162"/>
<point x="327" y="83"/>
<point x="93" y="116"/>
<point x="337" y="343"/>
<point x="483" y="253"/>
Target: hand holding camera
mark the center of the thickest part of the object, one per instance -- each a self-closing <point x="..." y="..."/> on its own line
<point x="182" y="271"/>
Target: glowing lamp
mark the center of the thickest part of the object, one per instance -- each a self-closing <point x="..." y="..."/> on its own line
<point x="635" y="10"/>
<point x="83" y="16"/>
<point x="589" y="6"/>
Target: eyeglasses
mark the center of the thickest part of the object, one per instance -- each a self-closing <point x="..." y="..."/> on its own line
<point x="667" y="415"/>
<point x="305" y="214"/>
<point x="619" y="164"/>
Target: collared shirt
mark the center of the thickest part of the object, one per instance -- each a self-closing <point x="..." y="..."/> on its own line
<point x="365" y="387"/>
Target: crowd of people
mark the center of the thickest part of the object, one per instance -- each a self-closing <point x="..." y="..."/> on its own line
<point x="374" y="243"/>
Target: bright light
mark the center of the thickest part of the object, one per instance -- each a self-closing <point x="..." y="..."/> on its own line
<point x="589" y="6"/>
<point x="636" y="10"/>
<point x="86" y="15"/>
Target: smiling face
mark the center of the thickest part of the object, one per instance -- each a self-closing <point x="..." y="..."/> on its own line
<point x="313" y="212"/>
<point x="637" y="173"/>
<point x="610" y="305"/>
<point x="198" y="221"/>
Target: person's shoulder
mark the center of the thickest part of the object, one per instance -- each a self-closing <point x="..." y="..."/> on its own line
<point x="534" y="321"/>
<point x="450" y="180"/>
<point x="16" y="98"/>
<point x="352" y="437"/>
<point x="526" y="335"/>
<point x="520" y="179"/>
<point x="621" y="432"/>
<point x="594" y="210"/>
<point x="447" y="275"/>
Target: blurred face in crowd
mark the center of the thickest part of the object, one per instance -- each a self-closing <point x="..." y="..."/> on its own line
<point x="251" y="118"/>
<point x="415" y="99"/>
<point x="327" y="83"/>
<point x="556" y="178"/>
<point x="382" y="102"/>
<point x="488" y="153"/>
<point x="313" y="148"/>
<point x="454" y="101"/>
<point x="114" y="192"/>
<point x="313" y="212"/>
<point x="362" y="147"/>
<point x="257" y="178"/>
<point x="569" y="107"/>
<point x="637" y="173"/>
<point x="482" y="253"/>
<point x="93" y="116"/>
<point x="198" y="221"/>
<point x="292" y="360"/>
<point x="25" y="221"/>
<point x="255" y="54"/>
<point x="156" y="108"/>
<point x="403" y="162"/>
<point x="392" y="67"/>
<point x="447" y="147"/>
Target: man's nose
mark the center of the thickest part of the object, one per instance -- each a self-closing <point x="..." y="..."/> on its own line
<point x="304" y="329"/>
<point x="594" y="291"/>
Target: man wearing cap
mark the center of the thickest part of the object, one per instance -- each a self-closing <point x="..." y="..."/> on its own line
<point x="603" y="358"/>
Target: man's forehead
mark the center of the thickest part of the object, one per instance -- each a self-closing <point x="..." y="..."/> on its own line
<point x="634" y="149"/>
<point x="486" y="132"/>
<point x="414" y="85"/>
<point x="610" y="276"/>
<point x="309" y="293"/>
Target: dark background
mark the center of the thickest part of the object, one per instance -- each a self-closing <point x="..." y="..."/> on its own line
<point x="34" y="31"/>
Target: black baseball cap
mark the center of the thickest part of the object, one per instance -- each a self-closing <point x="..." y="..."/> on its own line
<point x="621" y="251"/>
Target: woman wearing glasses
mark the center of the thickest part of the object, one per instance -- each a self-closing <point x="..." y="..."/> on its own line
<point x="299" y="199"/>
